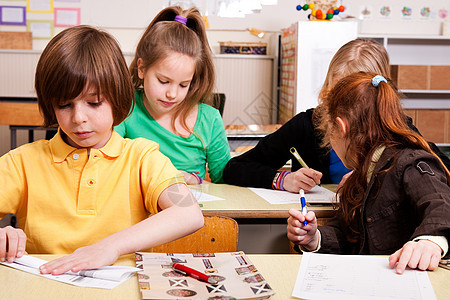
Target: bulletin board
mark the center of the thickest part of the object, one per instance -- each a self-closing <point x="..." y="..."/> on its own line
<point x="41" y="16"/>
<point x="286" y="107"/>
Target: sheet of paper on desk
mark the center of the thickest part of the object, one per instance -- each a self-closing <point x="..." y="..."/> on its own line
<point x="328" y="276"/>
<point x="204" y="197"/>
<point x="317" y="194"/>
<point x="104" y="277"/>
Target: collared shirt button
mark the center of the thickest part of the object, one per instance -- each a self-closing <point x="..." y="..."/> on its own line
<point x="91" y="182"/>
<point x="76" y="156"/>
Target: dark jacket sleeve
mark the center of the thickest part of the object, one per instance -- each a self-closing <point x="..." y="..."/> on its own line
<point x="333" y="238"/>
<point x="433" y="146"/>
<point x="258" y="166"/>
<point x="426" y="185"/>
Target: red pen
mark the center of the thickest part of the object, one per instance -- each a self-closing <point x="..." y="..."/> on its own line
<point x="193" y="273"/>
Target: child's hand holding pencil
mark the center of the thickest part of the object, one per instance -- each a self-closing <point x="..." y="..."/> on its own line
<point x="299" y="233"/>
<point x="304" y="178"/>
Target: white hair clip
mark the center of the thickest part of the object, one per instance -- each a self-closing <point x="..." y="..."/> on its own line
<point x="377" y="79"/>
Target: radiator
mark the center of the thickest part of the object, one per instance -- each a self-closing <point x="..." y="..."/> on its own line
<point x="247" y="82"/>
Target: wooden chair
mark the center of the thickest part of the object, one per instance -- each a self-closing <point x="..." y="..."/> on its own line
<point x="219" y="234"/>
<point x="9" y="220"/>
<point x="242" y="149"/>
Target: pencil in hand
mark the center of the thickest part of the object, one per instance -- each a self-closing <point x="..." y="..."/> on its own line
<point x="295" y="153"/>
<point x="299" y="158"/>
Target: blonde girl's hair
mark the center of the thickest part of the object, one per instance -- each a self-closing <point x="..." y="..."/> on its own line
<point x="374" y="117"/>
<point x="164" y="36"/>
<point x="78" y="58"/>
<point x="359" y="55"/>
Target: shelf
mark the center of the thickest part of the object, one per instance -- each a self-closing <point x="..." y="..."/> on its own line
<point x="244" y="56"/>
<point x="405" y="37"/>
<point x="425" y="91"/>
<point x="415" y="49"/>
<point x="425" y="104"/>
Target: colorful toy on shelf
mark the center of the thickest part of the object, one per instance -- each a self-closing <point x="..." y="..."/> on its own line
<point x="322" y="9"/>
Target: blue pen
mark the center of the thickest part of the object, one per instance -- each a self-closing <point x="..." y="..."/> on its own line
<point x="303" y="201"/>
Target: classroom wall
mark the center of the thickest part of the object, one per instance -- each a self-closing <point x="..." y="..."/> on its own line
<point x="127" y="19"/>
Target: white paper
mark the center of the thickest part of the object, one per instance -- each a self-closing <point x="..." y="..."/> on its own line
<point x="204" y="197"/>
<point x="328" y="276"/>
<point x="40" y="5"/>
<point x="105" y="277"/>
<point x="317" y="194"/>
<point x="12" y="14"/>
<point x="41" y="29"/>
<point x="67" y="17"/>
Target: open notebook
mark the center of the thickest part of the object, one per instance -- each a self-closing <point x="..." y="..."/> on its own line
<point x="236" y="276"/>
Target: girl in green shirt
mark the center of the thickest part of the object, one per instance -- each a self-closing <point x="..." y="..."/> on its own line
<point x="173" y="73"/>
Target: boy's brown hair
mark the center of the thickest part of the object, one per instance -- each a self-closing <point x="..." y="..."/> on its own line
<point x="78" y="58"/>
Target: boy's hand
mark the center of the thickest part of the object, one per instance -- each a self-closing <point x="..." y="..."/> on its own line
<point x="300" y="234"/>
<point x="423" y="254"/>
<point x="303" y="178"/>
<point x="90" y="257"/>
<point x="12" y="243"/>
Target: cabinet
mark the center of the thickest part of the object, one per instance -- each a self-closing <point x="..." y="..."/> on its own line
<point x="429" y="108"/>
<point x="306" y="51"/>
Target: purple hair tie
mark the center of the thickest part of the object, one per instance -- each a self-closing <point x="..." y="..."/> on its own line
<point x="181" y="19"/>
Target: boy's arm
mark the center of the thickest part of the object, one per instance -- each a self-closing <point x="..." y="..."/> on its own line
<point x="180" y="215"/>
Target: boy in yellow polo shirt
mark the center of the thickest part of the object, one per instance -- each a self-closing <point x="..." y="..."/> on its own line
<point x="88" y="191"/>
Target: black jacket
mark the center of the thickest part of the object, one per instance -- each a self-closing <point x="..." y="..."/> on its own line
<point x="258" y="166"/>
<point x="410" y="200"/>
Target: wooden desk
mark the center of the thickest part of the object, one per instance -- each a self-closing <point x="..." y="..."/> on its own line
<point x="250" y="132"/>
<point x="20" y="113"/>
<point x="280" y="271"/>
<point x="262" y="226"/>
<point x="240" y="202"/>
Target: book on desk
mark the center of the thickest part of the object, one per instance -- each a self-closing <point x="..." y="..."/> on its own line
<point x="236" y="276"/>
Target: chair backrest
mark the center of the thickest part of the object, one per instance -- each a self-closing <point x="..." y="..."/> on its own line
<point x="219" y="102"/>
<point x="219" y="234"/>
<point x="9" y="220"/>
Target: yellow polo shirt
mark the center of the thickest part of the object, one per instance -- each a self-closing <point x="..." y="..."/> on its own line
<point x="65" y="199"/>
